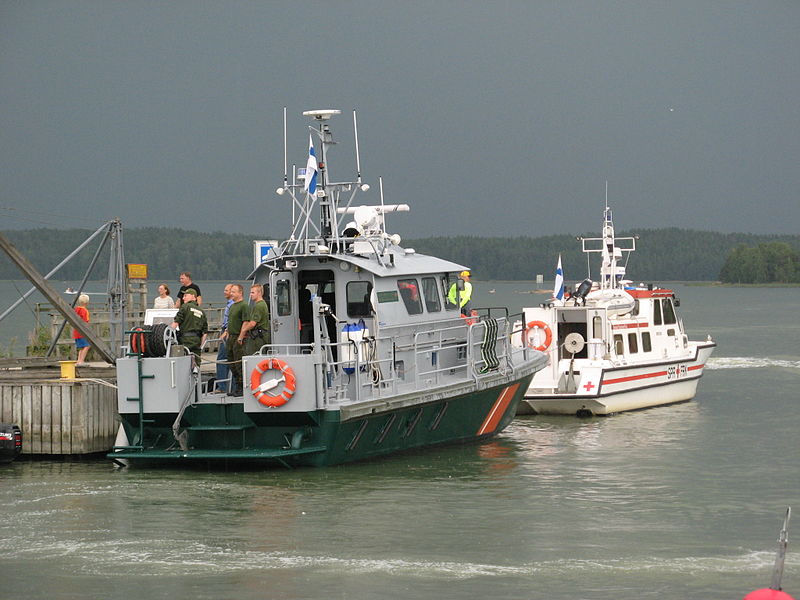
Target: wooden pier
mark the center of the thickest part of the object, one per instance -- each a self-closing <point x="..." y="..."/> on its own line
<point x="59" y="416"/>
<point x="74" y="416"/>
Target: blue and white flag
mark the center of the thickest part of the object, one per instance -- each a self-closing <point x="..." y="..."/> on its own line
<point x="558" y="288"/>
<point x="311" y="169"/>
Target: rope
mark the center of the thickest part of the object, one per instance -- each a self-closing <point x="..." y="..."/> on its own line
<point x="374" y="367"/>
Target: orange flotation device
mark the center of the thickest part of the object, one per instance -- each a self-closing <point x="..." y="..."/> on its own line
<point x="548" y="335"/>
<point x="288" y="378"/>
<point x="470" y="319"/>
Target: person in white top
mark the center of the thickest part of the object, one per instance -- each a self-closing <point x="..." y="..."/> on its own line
<point x="163" y="300"/>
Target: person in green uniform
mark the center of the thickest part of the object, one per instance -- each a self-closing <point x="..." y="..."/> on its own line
<point x="192" y="322"/>
<point x="255" y="331"/>
<point x="237" y="315"/>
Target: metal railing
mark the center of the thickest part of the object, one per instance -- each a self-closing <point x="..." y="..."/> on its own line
<point x="377" y="367"/>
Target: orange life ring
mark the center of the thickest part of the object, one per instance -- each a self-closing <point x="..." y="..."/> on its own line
<point x="288" y="387"/>
<point x="548" y="335"/>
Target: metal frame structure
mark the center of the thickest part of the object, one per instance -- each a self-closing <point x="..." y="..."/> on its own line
<point x="117" y="284"/>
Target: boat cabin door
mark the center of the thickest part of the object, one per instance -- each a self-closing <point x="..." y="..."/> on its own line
<point x="285" y="317"/>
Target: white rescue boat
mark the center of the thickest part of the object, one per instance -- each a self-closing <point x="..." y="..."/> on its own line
<point x="612" y="346"/>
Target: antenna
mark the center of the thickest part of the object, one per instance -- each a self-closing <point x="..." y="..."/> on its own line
<point x="358" y="159"/>
<point x="294" y="179"/>
<point x="606" y="194"/>
<point x="285" y="157"/>
<point x="383" y="217"/>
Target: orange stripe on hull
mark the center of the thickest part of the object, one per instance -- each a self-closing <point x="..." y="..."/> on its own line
<point x="498" y="410"/>
<point x="635" y="377"/>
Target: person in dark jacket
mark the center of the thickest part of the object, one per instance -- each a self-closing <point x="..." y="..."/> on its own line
<point x="192" y="322"/>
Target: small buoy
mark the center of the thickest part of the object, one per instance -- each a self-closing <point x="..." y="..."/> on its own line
<point x="768" y="594"/>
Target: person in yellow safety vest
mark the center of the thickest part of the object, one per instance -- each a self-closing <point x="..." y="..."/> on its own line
<point x="463" y="299"/>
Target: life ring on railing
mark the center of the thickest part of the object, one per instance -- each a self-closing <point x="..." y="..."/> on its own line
<point x="258" y="388"/>
<point x="548" y="335"/>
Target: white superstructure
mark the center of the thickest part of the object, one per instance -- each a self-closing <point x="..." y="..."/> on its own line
<point x="611" y="346"/>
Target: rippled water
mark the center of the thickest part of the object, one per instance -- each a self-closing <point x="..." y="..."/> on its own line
<point x="675" y="502"/>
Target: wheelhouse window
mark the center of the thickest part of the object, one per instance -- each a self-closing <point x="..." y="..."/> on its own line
<point x="619" y="346"/>
<point x="657" y="312"/>
<point x="669" y="312"/>
<point x="646" y="345"/>
<point x="284" y="298"/>
<point x="358" y="299"/>
<point x="431" y="294"/>
<point x="409" y="292"/>
<point x="633" y="343"/>
<point x="597" y="327"/>
<point x="450" y="291"/>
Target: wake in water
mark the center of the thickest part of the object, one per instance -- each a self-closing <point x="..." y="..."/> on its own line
<point x="163" y="557"/>
<point x="750" y="362"/>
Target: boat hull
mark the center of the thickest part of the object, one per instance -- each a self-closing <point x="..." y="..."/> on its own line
<point x="609" y="390"/>
<point x="219" y="432"/>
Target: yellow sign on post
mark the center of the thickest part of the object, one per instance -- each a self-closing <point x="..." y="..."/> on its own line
<point x="137" y="271"/>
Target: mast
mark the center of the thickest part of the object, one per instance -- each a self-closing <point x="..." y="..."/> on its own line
<point x="611" y="271"/>
<point x="608" y="268"/>
<point x="318" y="231"/>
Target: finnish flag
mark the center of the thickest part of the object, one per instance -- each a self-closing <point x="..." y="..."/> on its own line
<point x="311" y="169"/>
<point x="558" y="288"/>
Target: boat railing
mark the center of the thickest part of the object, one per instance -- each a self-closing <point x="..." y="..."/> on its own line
<point x="493" y="312"/>
<point x="450" y="320"/>
<point x="427" y="345"/>
<point x="378" y="367"/>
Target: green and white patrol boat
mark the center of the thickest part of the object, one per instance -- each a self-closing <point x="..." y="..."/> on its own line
<point x="367" y="356"/>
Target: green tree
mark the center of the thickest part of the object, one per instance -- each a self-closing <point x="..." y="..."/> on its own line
<point x="768" y="262"/>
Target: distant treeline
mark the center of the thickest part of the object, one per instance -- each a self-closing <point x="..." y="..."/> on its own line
<point x="661" y="254"/>
<point x="768" y="262"/>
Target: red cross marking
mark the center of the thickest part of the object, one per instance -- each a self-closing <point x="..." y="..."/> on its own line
<point x="589" y="386"/>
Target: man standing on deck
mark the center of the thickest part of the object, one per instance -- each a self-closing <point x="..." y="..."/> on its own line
<point x="193" y="323"/>
<point x="186" y="283"/>
<point x="255" y="331"/>
<point x="222" y="354"/>
<point x="237" y="315"/>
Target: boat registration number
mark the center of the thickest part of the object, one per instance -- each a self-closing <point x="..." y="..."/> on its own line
<point x="676" y="371"/>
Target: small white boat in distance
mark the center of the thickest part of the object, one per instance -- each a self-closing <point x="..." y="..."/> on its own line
<point x="612" y="346"/>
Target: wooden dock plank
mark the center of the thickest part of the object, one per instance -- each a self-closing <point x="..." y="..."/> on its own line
<point x="42" y="394"/>
<point x="56" y="432"/>
<point x="5" y="404"/>
<point x="66" y="419"/>
<point x="25" y="411"/>
<point x="61" y="417"/>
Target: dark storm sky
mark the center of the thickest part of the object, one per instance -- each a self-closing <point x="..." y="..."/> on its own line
<point x="489" y="118"/>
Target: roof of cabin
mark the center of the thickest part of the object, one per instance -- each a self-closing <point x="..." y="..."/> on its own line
<point x="404" y="264"/>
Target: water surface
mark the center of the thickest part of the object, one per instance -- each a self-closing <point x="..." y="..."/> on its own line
<point x="674" y="502"/>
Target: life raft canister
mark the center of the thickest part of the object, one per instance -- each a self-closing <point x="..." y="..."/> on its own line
<point x="353" y="345"/>
<point x="548" y="335"/>
<point x="288" y="379"/>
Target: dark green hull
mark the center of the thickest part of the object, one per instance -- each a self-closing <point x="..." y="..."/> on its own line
<point x="218" y="432"/>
